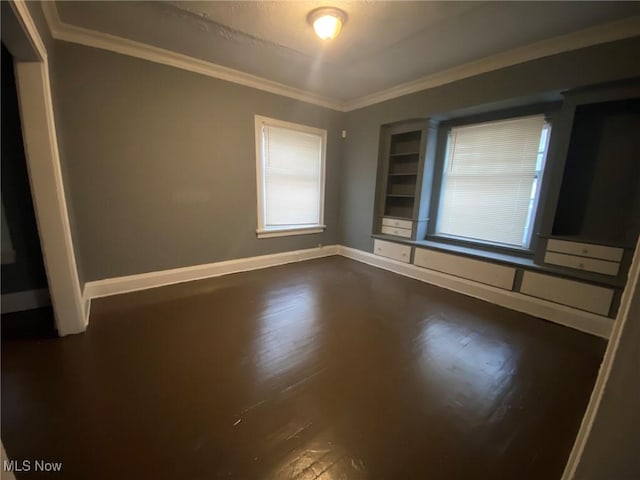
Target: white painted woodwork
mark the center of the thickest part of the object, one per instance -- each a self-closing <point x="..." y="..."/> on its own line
<point x="612" y="254"/>
<point x="265" y="189"/>
<point x="561" y="314"/>
<point x="143" y="281"/>
<point x="45" y="176"/>
<point x="492" y="274"/>
<point x="568" y="292"/>
<point x="41" y="151"/>
<point x="395" y="251"/>
<point x="593" y="35"/>
<point x="398" y="232"/>
<point x="582" y="263"/>
<point x="396" y="222"/>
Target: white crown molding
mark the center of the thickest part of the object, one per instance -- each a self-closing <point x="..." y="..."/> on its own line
<point x="104" y="41"/>
<point x="561" y="314"/>
<point x="609" y="32"/>
<point x="29" y="26"/>
<point x="618" y="30"/>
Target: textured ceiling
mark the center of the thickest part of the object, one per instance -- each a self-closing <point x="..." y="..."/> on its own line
<point x="382" y="44"/>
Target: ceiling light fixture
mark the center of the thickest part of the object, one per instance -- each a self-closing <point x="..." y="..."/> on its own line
<point x="327" y="21"/>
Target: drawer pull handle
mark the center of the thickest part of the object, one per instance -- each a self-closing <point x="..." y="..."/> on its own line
<point x="585" y="251"/>
<point x="581" y="265"/>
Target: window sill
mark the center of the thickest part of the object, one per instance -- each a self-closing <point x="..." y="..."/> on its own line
<point x="290" y="231"/>
<point x="478" y="247"/>
<point x="520" y="259"/>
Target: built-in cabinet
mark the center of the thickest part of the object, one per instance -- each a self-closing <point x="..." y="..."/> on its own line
<point x="584" y="256"/>
<point x="395" y="251"/>
<point x="589" y="207"/>
<point x="406" y="153"/>
<point x="580" y="295"/>
<point x="599" y="193"/>
<point x="592" y="214"/>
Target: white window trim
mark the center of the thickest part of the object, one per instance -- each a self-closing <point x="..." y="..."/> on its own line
<point x="286" y="230"/>
<point x="526" y="246"/>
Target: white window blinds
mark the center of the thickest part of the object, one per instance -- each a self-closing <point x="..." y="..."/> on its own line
<point x="489" y="185"/>
<point x="292" y="177"/>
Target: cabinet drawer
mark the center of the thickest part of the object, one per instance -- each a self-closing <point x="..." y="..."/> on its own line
<point x="567" y="292"/>
<point x="612" y="254"/>
<point x="399" y="232"/>
<point x="392" y="250"/>
<point x="484" y="272"/>
<point x="582" y="263"/>
<point x="394" y="222"/>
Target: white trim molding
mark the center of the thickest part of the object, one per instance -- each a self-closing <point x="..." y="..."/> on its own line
<point x="45" y="176"/>
<point x="629" y="306"/>
<point x="609" y="32"/>
<point x="25" y="300"/>
<point x="263" y="154"/>
<point x="143" y="281"/>
<point x="288" y="232"/>
<point x="29" y="27"/>
<point x="563" y="315"/>
<point x="104" y="41"/>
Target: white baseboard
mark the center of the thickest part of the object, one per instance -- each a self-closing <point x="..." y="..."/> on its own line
<point x="143" y="281"/>
<point x="563" y="315"/>
<point x="26" y="300"/>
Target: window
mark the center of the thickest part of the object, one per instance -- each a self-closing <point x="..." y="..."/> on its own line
<point x="290" y="174"/>
<point x="491" y="179"/>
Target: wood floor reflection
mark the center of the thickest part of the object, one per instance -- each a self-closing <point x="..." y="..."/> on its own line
<point x="326" y="369"/>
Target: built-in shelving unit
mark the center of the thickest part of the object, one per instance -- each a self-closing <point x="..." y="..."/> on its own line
<point x="400" y="206"/>
<point x="592" y="215"/>
<point x="404" y="161"/>
<point x="589" y="211"/>
<point x="600" y="182"/>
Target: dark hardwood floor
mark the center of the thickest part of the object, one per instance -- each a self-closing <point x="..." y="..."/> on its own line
<point x="326" y="369"/>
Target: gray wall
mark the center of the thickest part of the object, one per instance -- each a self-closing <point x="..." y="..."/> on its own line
<point x="160" y="163"/>
<point x="613" y="447"/>
<point x="573" y="69"/>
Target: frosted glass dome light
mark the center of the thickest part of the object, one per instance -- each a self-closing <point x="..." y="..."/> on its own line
<point x="327" y="22"/>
